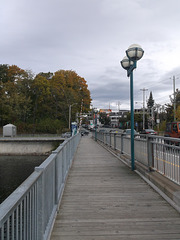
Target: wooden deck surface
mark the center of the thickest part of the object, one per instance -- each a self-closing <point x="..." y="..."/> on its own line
<point x="104" y="199"/>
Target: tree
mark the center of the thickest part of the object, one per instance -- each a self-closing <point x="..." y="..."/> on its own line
<point x="40" y="93"/>
<point x="104" y="118"/>
<point x="150" y="102"/>
<point x="3" y="73"/>
<point x="68" y="88"/>
<point x="178" y="113"/>
<point x="170" y="107"/>
<point x="15" y="99"/>
<point x="41" y="102"/>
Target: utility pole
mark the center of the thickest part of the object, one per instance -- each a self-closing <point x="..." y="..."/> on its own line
<point x="119" y="105"/>
<point x="144" y="90"/>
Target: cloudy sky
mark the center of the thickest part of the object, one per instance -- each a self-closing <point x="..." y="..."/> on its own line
<point x="90" y="37"/>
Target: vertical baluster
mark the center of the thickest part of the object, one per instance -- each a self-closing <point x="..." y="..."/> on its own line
<point x="17" y="227"/>
<point x="2" y="232"/>
<point x="12" y="226"/>
<point x="24" y="218"/>
<point x="36" y="212"/>
<point x="30" y="216"/>
<point x="8" y="229"/>
<point x="20" y="221"/>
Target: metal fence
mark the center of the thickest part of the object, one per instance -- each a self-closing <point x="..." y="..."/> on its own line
<point x="154" y="152"/>
<point x="29" y="212"/>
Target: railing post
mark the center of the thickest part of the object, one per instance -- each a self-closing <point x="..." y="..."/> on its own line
<point x="114" y="141"/>
<point x="122" y="143"/>
<point x="150" y="153"/>
<point x="110" y="139"/>
<point x="40" y="204"/>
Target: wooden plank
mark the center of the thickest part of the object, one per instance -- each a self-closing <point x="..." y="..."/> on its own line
<point x="103" y="199"/>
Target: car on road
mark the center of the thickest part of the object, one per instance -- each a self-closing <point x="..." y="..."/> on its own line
<point x="128" y="132"/>
<point x="148" y="131"/>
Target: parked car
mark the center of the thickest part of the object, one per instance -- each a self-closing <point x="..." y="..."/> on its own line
<point x="66" y="135"/>
<point x="128" y="132"/>
<point x="148" y="131"/>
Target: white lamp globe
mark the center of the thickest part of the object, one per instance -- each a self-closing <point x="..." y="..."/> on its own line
<point x="126" y="63"/>
<point x="135" y="52"/>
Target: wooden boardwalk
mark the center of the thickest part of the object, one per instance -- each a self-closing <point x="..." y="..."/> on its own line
<point x="104" y="199"/>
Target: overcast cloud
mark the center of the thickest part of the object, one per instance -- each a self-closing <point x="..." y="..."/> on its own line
<point x="90" y="37"/>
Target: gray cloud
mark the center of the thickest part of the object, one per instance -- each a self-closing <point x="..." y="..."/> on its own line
<point x="90" y="37"/>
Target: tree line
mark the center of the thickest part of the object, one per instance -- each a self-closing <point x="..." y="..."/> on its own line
<point x="155" y="115"/>
<point x="40" y="103"/>
<point x="158" y="115"/>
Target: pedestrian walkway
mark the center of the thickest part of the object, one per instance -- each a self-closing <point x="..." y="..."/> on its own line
<point x="103" y="199"/>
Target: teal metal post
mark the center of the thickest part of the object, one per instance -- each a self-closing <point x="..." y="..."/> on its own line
<point x="133" y="54"/>
<point x="132" y="121"/>
<point x="95" y="126"/>
<point x="130" y="73"/>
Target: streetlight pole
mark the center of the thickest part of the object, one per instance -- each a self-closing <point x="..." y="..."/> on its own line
<point x="70" y="106"/>
<point x="129" y="63"/>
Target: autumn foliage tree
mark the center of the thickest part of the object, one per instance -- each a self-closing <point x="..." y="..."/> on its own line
<point x="68" y="88"/>
<point x="40" y="103"/>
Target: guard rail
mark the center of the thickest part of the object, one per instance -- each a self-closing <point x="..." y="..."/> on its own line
<point x="29" y="212"/>
<point x="161" y="154"/>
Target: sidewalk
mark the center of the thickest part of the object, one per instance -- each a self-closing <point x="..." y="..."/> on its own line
<point x="104" y="199"/>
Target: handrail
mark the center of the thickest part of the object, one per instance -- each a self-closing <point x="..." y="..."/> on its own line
<point x="28" y="213"/>
<point x="161" y="154"/>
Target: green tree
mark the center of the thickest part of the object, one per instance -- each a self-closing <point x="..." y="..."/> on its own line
<point x="104" y="118"/>
<point x="15" y="102"/>
<point x="41" y="100"/>
<point x="150" y="102"/>
<point x="3" y="73"/>
<point x="40" y="103"/>
<point x="68" y="88"/>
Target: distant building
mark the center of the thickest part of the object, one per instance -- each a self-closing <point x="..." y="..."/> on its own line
<point x="107" y="111"/>
<point x="117" y="116"/>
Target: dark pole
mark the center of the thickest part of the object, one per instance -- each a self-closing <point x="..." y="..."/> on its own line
<point x="132" y="121"/>
<point x="95" y="126"/>
<point x="134" y="53"/>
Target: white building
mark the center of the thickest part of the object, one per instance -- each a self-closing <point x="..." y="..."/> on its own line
<point x="117" y="116"/>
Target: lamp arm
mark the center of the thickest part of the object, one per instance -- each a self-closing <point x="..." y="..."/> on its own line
<point x="131" y="68"/>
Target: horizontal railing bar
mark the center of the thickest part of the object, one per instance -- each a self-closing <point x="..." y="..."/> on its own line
<point x="14" y="199"/>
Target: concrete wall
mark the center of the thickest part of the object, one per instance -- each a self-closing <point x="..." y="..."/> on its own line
<point x="28" y="146"/>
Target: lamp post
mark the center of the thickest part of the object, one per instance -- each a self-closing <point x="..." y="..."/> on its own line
<point x="129" y="63"/>
<point x="70" y="106"/>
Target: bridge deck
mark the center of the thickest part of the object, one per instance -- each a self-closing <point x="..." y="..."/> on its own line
<point x="103" y="199"/>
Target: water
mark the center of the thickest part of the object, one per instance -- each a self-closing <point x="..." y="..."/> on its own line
<point x="14" y="170"/>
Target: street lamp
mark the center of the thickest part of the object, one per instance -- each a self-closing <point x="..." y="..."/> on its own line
<point x="70" y="106"/>
<point x="129" y="63"/>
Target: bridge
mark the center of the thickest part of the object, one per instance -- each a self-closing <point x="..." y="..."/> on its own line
<point x="28" y="145"/>
<point x="100" y="198"/>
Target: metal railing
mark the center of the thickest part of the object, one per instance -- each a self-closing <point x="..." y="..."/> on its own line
<point x="161" y="154"/>
<point x="29" y="212"/>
